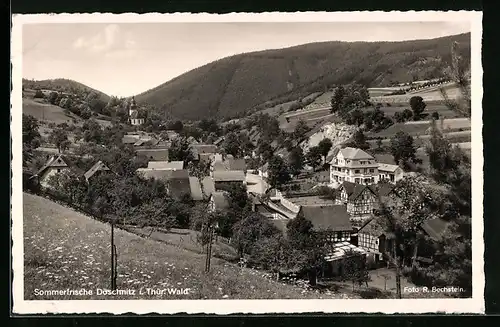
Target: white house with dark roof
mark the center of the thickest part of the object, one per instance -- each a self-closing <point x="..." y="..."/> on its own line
<point x="353" y="165"/>
<point x="53" y="166"/>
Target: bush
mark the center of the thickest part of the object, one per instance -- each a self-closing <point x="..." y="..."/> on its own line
<point x="38" y="94"/>
<point x="435" y="115"/>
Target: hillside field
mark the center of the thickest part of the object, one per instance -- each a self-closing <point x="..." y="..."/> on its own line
<point x="48" y="112"/>
<point x="66" y="249"/>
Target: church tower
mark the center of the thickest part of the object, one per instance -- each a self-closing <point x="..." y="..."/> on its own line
<point x="133" y="113"/>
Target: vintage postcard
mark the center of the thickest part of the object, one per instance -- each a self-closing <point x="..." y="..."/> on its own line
<point x="247" y="163"/>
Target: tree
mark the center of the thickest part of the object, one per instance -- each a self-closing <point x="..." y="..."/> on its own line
<point x="300" y="130"/>
<point x="402" y="148"/>
<point x="38" y="94"/>
<point x="232" y="144"/>
<point x="459" y="71"/>
<point x="278" y="173"/>
<point x="59" y="137"/>
<point x="53" y="97"/>
<point x="307" y="250"/>
<point x="354" y="269"/>
<point x="92" y="131"/>
<point x="180" y="150"/>
<point x="435" y="115"/>
<point x="355" y="117"/>
<point x="337" y="99"/>
<point x="324" y="147"/>
<point x="418" y="105"/>
<point x="379" y="144"/>
<point x="250" y="230"/>
<point x="314" y="157"/>
<point x="296" y="160"/>
<point x="264" y="150"/>
<point x="359" y="140"/>
<point x="176" y="126"/>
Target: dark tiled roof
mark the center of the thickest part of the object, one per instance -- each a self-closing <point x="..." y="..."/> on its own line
<point x="354" y="190"/>
<point x="99" y="166"/>
<point x="355" y="153"/>
<point x="229" y="175"/>
<point x="327" y="218"/>
<point x="372" y="227"/>
<point x="435" y="228"/>
<point x="384" y="189"/>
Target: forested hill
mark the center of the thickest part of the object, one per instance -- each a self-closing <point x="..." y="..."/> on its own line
<point x="64" y="85"/>
<point x="232" y="86"/>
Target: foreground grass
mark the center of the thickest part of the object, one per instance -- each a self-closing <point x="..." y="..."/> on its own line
<point x="65" y="249"/>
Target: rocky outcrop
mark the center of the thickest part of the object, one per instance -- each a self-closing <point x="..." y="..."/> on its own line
<point x="337" y="132"/>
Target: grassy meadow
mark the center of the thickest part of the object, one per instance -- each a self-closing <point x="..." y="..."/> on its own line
<point x="66" y="249"/>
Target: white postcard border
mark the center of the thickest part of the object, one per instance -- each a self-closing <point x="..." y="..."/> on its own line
<point x="473" y="305"/>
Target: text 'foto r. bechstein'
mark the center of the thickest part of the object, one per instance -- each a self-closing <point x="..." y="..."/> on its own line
<point x="300" y="165"/>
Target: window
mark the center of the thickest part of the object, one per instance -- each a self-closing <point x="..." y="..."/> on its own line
<point x="58" y="170"/>
<point x="356" y="171"/>
<point x="372" y="170"/>
<point x="392" y="177"/>
<point x="357" y="180"/>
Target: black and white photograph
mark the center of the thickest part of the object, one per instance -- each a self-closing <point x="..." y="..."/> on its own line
<point x="173" y="161"/>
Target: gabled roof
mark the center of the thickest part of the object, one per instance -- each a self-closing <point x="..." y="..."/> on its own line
<point x="98" y="166"/>
<point x="196" y="190"/>
<point x="384" y="189"/>
<point x="229" y="176"/>
<point x="174" y="165"/>
<point x="435" y="228"/>
<point x="387" y="167"/>
<point x="219" y="140"/>
<point x="130" y="139"/>
<point x="372" y="227"/>
<point x="220" y="200"/>
<point x="327" y="218"/>
<point x="54" y="161"/>
<point x="354" y="153"/>
<point x="354" y="190"/>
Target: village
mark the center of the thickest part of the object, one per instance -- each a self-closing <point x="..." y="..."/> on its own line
<point x="354" y="184"/>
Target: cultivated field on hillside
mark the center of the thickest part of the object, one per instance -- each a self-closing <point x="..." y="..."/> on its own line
<point x="48" y="112"/>
<point x="428" y="94"/>
<point x="421" y="127"/>
<point x="65" y="249"/>
<point x="432" y="106"/>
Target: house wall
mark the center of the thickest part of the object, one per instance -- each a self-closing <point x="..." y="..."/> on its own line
<point x="51" y="171"/>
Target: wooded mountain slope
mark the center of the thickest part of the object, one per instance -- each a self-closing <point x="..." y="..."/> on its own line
<point x="233" y="86"/>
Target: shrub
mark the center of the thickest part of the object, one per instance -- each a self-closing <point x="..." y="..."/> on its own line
<point x="38" y="94"/>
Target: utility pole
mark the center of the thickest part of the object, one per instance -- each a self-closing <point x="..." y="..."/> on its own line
<point x="113" y="257"/>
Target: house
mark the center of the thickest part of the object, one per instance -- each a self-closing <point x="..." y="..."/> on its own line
<point x="218" y="201"/>
<point x="153" y="154"/>
<point x="134" y="116"/>
<point x="53" y="166"/>
<point x="199" y="149"/>
<point x="227" y="163"/>
<point x="98" y="168"/>
<point x="218" y="141"/>
<point x="372" y="238"/>
<point x="130" y="139"/>
<point x="201" y="191"/>
<point x="176" y="181"/>
<point x="172" y="165"/>
<point x="360" y="200"/>
<point x="390" y="173"/>
<point x="271" y="209"/>
<point x="329" y="221"/>
<point x="225" y="178"/>
<point x="353" y="165"/>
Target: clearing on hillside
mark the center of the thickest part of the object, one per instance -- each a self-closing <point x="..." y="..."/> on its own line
<point x="66" y="249"/>
<point x="48" y="112"/>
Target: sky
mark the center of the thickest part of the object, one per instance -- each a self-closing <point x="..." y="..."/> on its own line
<point x="129" y="58"/>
